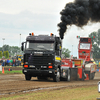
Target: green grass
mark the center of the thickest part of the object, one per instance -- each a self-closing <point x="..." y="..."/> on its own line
<point x="79" y="93"/>
<point x="12" y="72"/>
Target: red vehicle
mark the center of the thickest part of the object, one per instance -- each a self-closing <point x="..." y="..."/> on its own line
<point x="82" y="68"/>
<point x="85" y="49"/>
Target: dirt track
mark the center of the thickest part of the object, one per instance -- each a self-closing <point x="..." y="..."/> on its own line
<point x="16" y="83"/>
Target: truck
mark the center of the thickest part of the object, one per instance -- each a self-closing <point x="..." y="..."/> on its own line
<point x="42" y="57"/>
<point x="82" y="68"/>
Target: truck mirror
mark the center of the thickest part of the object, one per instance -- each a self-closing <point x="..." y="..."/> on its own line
<point x="22" y="47"/>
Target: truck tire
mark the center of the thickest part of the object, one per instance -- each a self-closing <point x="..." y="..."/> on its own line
<point x="83" y="77"/>
<point x="68" y="75"/>
<point x="56" y="78"/>
<point x="92" y="75"/>
<point x="27" y="77"/>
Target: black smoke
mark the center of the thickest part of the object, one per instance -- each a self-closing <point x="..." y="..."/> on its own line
<point x="79" y="13"/>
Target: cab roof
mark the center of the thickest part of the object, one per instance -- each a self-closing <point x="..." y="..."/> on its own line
<point x="41" y="38"/>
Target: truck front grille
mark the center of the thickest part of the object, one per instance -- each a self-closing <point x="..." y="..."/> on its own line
<point x="38" y="60"/>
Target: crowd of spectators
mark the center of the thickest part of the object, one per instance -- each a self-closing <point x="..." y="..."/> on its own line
<point x="10" y="62"/>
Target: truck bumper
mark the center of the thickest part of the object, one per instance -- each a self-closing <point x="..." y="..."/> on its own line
<point x="35" y="73"/>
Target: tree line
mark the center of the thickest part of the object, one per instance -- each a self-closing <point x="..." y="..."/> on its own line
<point x="96" y="44"/>
<point x="9" y="51"/>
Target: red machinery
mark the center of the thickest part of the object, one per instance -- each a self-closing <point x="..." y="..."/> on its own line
<point x="82" y="68"/>
<point x="85" y="49"/>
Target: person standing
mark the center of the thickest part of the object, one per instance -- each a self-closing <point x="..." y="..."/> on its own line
<point x="14" y="62"/>
<point x="11" y="62"/>
<point x="7" y="62"/>
<point x="3" y="64"/>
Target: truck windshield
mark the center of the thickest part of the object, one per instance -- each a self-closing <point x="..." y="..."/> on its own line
<point x="30" y="45"/>
<point x="84" y="45"/>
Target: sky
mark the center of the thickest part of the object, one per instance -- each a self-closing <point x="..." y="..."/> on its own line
<point x="18" y="18"/>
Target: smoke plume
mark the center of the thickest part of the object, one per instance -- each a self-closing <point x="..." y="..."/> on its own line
<point x="79" y="13"/>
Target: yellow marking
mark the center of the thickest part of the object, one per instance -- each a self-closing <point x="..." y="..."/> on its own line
<point x="77" y="62"/>
<point x="58" y="58"/>
<point x="79" y="66"/>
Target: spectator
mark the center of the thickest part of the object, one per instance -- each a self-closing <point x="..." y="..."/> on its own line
<point x="17" y="62"/>
<point x="3" y="64"/>
<point x="14" y="62"/>
<point x="11" y="62"/>
<point x="7" y="62"/>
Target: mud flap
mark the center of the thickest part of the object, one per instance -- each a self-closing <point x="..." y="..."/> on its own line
<point x="74" y="75"/>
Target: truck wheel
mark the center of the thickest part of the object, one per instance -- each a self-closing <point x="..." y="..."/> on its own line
<point x="56" y="78"/>
<point x="68" y="76"/>
<point x="92" y="76"/>
<point x="27" y="77"/>
<point x="83" y="77"/>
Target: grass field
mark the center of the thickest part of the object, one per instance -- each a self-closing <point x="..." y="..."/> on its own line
<point x="79" y="93"/>
<point x="12" y="72"/>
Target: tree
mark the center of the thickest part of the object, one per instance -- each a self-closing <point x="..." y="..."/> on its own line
<point x="7" y="54"/>
<point x="6" y="47"/>
<point x="4" y="53"/>
<point x="0" y="54"/>
<point x="65" y="53"/>
<point x="96" y="44"/>
<point x="0" y="48"/>
<point x="14" y="50"/>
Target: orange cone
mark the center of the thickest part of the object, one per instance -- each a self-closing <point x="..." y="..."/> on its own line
<point x="3" y="70"/>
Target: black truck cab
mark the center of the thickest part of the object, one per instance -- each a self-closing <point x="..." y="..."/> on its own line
<point x="42" y="57"/>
